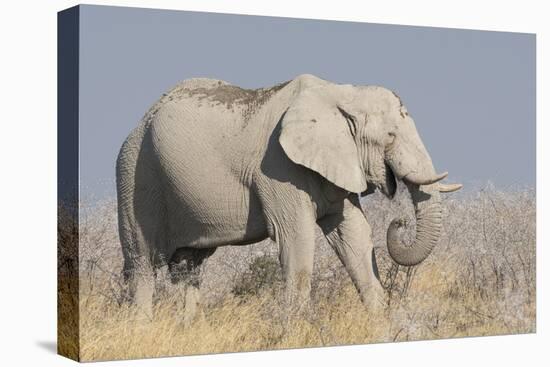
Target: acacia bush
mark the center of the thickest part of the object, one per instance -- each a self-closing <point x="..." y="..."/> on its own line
<point x="479" y="280"/>
<point x="263" y="272"/>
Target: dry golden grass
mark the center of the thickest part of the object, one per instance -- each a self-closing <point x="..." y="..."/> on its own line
<point x="67" y="283"/>
<point x="111" y="332"/>
<point x="479" y="281"/>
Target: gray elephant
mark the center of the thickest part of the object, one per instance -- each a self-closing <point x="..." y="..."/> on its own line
<point x="212" y="164"/>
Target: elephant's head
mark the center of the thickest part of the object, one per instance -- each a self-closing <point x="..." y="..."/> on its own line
<point x="362" y="138"/>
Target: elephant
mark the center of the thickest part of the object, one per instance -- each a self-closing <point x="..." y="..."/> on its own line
<point x="212" y="164"/>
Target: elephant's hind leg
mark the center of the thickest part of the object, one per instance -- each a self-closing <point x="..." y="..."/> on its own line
<point x="184" y="267"/>
<point x="140" y="236"/>
<point x="141" y="214"/>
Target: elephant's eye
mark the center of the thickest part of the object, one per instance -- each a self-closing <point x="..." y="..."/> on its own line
<point x="391" y="139"/>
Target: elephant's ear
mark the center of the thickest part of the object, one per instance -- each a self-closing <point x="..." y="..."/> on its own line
<point x="316" y="135"/>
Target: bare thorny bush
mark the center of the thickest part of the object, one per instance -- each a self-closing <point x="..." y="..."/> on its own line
<point x="482" y="272"/>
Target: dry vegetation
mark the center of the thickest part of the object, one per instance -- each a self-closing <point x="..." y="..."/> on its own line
<point x="480" y="280"/>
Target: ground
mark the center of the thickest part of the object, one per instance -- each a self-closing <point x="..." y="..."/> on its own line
<point x="480" y="280"/>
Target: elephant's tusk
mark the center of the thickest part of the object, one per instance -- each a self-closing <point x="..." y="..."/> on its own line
<point x="448" y="187"/>
<point x="417" y="180"/>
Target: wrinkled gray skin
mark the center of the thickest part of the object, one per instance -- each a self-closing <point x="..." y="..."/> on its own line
<point x="212" y="164"/>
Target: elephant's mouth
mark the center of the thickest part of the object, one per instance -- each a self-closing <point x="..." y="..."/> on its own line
<point x="389" y="185"/>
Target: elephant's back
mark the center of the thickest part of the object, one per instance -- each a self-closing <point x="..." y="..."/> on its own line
<point x="206" y="90"/>
<point x="183" y="120"/>
<point x="194" y="83"/>
<point x="186" y="117"/>
<point x="209" y="121"/>
<point x="204" y="111"/>
<point x="205" y="95"/>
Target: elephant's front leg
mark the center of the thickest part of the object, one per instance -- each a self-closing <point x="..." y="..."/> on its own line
<point x="296" y="249"/>
<point x="349" y="234"/>
<point x="290" y="220"/>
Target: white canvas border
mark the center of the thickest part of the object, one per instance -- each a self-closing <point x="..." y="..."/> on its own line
<point x="28" y="156"/>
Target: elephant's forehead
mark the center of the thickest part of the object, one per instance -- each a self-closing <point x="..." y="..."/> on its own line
<point x="378" y="99"/>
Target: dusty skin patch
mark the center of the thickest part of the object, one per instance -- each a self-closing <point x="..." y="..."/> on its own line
<point x="218" y="92"/>
<point x="232" y="96"/>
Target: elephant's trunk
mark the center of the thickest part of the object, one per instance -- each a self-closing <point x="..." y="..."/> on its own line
<point x="427" y="204"/>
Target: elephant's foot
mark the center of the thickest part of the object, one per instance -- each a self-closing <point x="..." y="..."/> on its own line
<point x="375" y="299"/>
<point x="187" y="305"/>
<point x="192" y="300"/>
<point x="297" y="297"/>
<point x="293" y="313"/>
<point x="146" y="310"/>
<point x="143" y="298"/>
<point x="300" y="308"/>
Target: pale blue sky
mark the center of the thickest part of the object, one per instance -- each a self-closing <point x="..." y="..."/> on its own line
<point x="471" y="93"/>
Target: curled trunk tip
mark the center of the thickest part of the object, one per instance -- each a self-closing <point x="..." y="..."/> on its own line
<point x="428" y="227"/>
